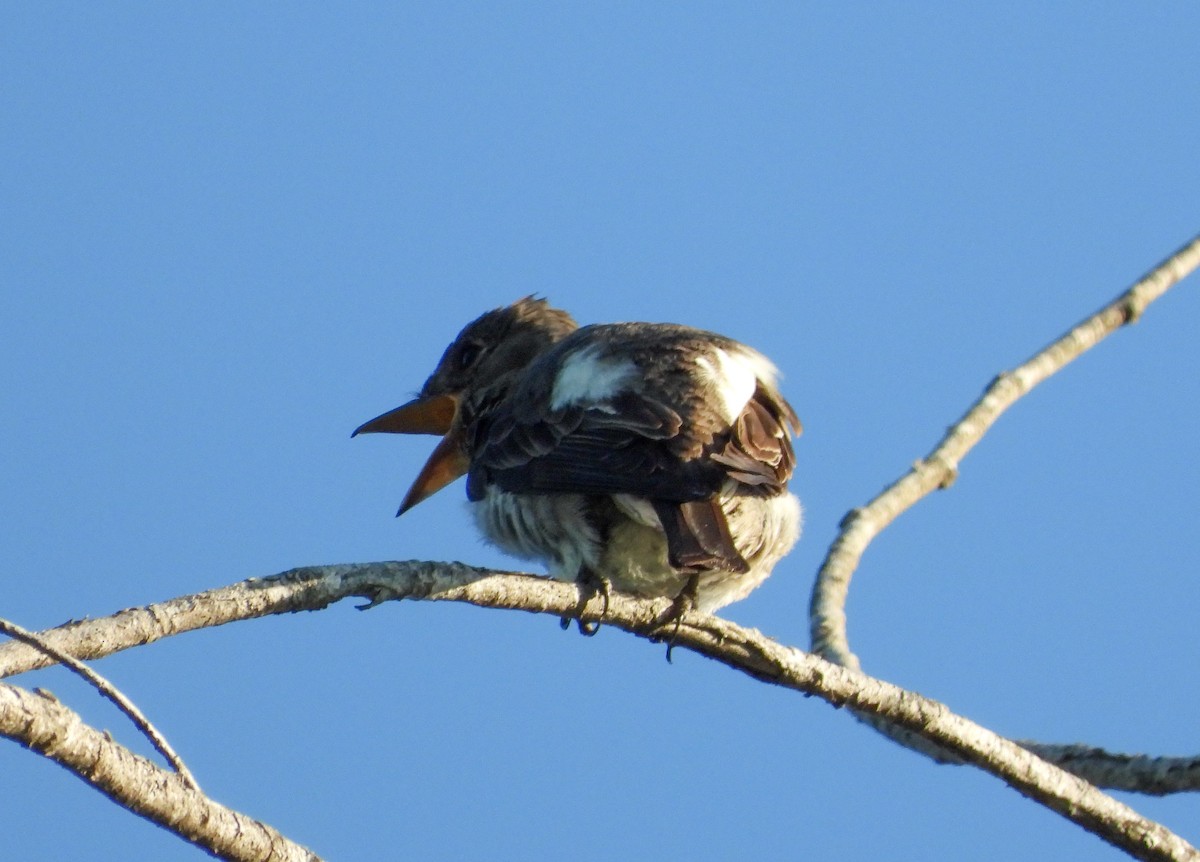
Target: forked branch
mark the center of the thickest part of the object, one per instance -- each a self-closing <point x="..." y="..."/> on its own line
<point x="42" y="724"/>
<point x="742" y="649"/>
<point x="827" y="609"/>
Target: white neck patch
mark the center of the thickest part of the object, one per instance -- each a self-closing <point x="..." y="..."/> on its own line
<point x="586" y="379"/>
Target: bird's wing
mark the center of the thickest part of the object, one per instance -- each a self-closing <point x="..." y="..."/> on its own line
<point x="624" y="446"/>
<point x="650" y="438"/>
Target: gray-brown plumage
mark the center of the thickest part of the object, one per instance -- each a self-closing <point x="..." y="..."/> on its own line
<point x="651" y="457"/>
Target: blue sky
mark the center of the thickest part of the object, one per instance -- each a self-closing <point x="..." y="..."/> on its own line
<point x="232" y="233"/>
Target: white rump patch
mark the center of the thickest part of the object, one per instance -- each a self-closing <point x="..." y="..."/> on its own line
<point x="734" y="376"/>
<point x="585" y="378"/>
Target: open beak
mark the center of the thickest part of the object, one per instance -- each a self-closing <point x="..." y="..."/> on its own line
<point x="433" y="415"/>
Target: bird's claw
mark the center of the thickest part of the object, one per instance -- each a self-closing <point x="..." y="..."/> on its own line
<point x="586" y="628"/>
<point x="591" y="585"/>
<point x="672" y="617"/>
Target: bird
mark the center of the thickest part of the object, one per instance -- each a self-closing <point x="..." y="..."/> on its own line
<point x="650" y="459"/>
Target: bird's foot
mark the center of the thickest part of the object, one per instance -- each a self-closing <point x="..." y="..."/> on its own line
<point x="591" y="585"/>
<point x="672" y="618"/>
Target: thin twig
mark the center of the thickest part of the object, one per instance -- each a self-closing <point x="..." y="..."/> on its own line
<point x="827" y="609"/>
<point x="742" y="649"/>
<point x="39" y="722"/>
<point x="110" y="691"/>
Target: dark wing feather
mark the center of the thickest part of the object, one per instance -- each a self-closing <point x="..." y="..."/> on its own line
<point x="698" y="536"/>
<point x="592" y="451"/>
<point x="678" y="456"/>
<point x="758" y="452"/>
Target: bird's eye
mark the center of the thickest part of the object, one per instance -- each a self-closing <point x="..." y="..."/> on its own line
<point x="468" y="355"/>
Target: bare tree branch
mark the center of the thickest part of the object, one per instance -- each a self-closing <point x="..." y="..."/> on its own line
<point x="111" y="692"/>
<point x="743" y="649"/>
<point x="1136" y="773"/>
<point x="939" y="469"/>
<point x="42" y="724"/>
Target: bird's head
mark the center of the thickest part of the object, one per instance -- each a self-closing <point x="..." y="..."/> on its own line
<point x="489" y="355"/>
